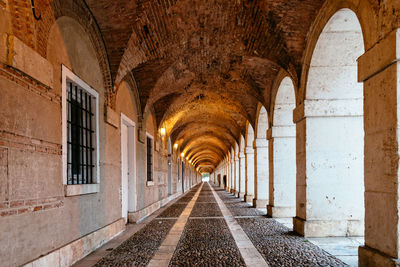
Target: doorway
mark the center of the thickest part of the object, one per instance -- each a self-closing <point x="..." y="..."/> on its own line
<point x="128" y="170"/>
<point x="183" y="177"/>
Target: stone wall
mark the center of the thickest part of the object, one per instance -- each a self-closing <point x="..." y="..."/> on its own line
<point x="36" y="217"/>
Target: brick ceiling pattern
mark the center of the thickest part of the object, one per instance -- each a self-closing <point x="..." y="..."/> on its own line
<point x="204" y="65"/>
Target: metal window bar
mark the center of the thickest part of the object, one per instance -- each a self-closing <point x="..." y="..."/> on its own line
<point x="149" y="159"/>
<point x="80" y="147"/>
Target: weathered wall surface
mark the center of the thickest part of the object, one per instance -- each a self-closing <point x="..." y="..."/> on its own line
<point x="35" y="216"/>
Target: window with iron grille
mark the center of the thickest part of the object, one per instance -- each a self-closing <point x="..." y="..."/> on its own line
<point x="149" y="142"/>
<point x="81" y="133"/>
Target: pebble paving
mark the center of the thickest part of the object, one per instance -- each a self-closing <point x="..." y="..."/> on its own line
<point x="173" y="211"/>
<point x="281" y="247"/>
<point x="140" y="248"/>
<point x="207" y="240"/>
<point x="277" y="244"/>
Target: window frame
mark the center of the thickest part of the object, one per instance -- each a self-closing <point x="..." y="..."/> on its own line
<point x="150" y="183"/>
<point x="78" y="189"/>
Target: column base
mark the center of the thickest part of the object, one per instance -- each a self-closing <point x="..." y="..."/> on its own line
<point x="248" y="198"/>
<point x="232" y="191"/>
<point x="370" y="257"/>
<point x="281" y="212"/>
<point x="260" y="203"/>
<point x="241" y="195"/>
<point x="322" y="228"/>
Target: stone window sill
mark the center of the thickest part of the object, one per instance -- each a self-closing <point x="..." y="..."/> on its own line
<point x="149" y="183"/>
<point x="81" y="189"/>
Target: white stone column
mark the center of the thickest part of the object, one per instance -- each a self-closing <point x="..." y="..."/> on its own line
<point x="226" y="174"/>
<point x="329" y="183"/>
<point x="229" y="174"/>
<point x="232" y="165"/>
<point x="282" y="183"/>
<point x="249" y="195"/>
<point x="261" y="173"/>
<point x="237" y="175"/>
<point x="379" y="70"/>
<point x="242" y="176"/>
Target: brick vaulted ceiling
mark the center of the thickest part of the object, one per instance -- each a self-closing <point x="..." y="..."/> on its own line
<point x="204" y="65"/>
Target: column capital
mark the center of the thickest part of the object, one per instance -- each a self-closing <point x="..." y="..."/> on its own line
<point x="260" y="142"/>
<point x="249" y="150"/>
<point x="381" y="55"/>
<point x="281" y="131"/>
<point x="328" y="108"/>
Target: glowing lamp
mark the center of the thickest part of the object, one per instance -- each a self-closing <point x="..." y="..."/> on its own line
<point x="175" y="146"/>
<point x="162" y="131"/>
<point x="182" y="154"/>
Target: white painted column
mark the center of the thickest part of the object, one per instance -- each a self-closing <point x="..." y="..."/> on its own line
<point x="249" y="152"/>
<point x="242" y="177"/>
<point x="261" y="173"/>
<point x="379" y="70"/>
<point x="282" y="185"/>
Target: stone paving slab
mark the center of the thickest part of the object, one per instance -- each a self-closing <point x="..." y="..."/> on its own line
<point x="207" y="242"/>
<point x="140" y="248"/>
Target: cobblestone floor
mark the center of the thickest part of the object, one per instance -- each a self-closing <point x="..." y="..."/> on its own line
<point x="207" y="240"/>
<point x="140" y="248"/>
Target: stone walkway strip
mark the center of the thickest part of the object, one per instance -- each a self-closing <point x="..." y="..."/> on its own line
<point x="163" y="255"/>
<point x="250" y="254"/>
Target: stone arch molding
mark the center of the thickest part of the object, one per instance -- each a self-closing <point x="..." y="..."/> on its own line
<point x="78" y="11"/>
<point x="330" y="137"/>
<point x="367" y="18"/>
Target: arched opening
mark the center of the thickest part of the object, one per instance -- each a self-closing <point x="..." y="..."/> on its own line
<point x="261" y="178"/>
<point x="330" y="137"/>
<point x="249" y="152"/>
<point x="169" y="166"/>
<point x="233" y="171"/>
<point x="242" y="168"/>
<point x="282" y="142"/>
<point x="237" y="170"/>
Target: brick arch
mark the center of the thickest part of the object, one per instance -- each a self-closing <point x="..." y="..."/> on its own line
<point x="77" y="10"/>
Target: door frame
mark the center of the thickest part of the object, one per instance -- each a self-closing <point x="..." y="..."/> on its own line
<point x="132" y="177"/>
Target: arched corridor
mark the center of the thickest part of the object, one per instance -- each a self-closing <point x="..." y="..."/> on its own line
<point x="113" y="112"/>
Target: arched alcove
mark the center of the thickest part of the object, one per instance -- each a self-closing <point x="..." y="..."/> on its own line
<point x="261" y="172"/>
<point x="282" y="142"/>
<point x="330" y="138"/>
<point x="249" y="152"/>
<point x="242" y="167"/>
<point x="170" y="183"/>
